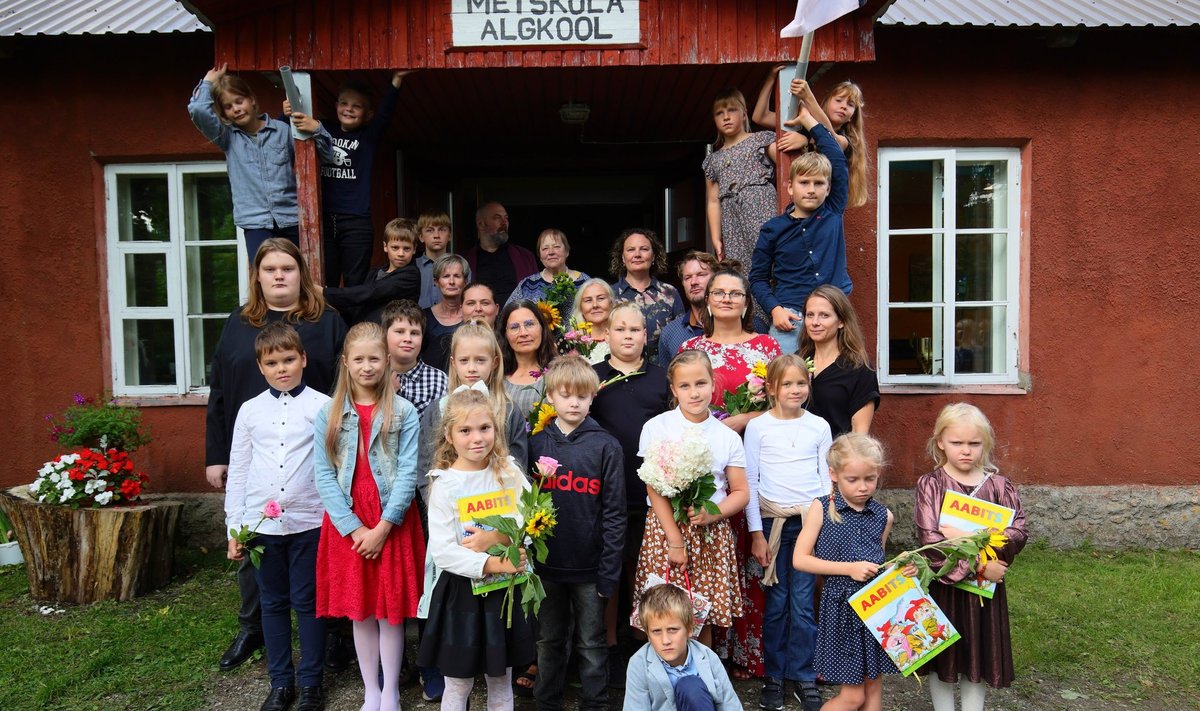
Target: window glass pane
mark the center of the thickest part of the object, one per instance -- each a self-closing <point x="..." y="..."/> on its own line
<point x="212" y="279"/>
<point x="982" y="193"/>
<point x="145" y="280"/>
<point x="143" y="213"/>
<point x="149" y="352"/>
<point x="981" y="272"/>
<point x="209" y="211"/>
<point x="203" y="334"/>
<point x="915" y="194"/>
<point x="979" y="341"/>
<point x="915" y="268"/>
<point x="916" y="341"/>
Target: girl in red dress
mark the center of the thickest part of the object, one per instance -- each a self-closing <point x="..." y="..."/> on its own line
<point x="372" y="549"/>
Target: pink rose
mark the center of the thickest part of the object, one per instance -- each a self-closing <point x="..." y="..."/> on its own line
<point x="272" y="510"/>
<point x="547" y="466"/>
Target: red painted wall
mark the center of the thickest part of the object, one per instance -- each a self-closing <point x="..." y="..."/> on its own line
<point x="1110" y="130"/>
<point x="73" y="104"/>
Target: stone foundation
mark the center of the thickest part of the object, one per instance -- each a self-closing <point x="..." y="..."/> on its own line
<point x="1101" y="516"/>
<point x="1064" y="517"/>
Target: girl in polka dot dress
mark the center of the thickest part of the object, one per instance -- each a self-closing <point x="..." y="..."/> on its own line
<point x="843" y="539"/>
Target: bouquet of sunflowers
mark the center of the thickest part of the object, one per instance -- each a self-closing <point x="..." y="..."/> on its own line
<point x="535" y="509"/>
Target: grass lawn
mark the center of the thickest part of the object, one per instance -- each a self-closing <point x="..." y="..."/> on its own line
<point x="157" y="652"/>
<point x="1126" y="625"/>
<point x="1086" y="623"/>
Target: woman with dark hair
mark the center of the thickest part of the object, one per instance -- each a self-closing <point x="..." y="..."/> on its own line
<point x="637" y="258"/>
<point x="734" y="349"/>
<point x="527" y="347"/>
<point x="845" y="390"/>
<point x="281" y="289"/>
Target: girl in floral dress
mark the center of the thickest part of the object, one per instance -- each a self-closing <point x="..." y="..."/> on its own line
<point x="702" y="546"/>
<point x="372" y="549"/>
<point x="734" y="349"/>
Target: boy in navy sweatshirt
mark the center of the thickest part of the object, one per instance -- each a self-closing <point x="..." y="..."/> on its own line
<point x="805" y="246"/>
<point x="583" y="563"/>
<point x="347" y="230"/>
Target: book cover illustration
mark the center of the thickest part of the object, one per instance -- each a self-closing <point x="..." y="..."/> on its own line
<point x="905" y="621"/>
<point x="494" y="503"/>
<point x="972" y="514"/>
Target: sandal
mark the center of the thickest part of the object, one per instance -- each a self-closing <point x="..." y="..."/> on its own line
<point x="523" y="683"/>
<point x="741" y="674"/>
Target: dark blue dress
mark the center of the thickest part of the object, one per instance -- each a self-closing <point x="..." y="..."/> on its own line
<point x="847" y="652"/>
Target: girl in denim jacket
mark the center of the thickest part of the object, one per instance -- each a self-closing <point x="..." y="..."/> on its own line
<point x="372" y="548"/>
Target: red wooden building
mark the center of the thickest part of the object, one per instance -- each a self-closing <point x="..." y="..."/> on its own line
<point x="1028" y="246"/>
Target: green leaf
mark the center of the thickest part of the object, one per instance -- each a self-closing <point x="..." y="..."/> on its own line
<point x="540" y="551"/>
<point x="514" y="554"/>
<point x="711" y="508"/>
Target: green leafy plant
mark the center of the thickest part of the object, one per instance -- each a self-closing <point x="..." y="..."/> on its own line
<point x="978" y="548"/>
<point x="7" y="533"/>
<point x="536" y="509"/>
<point x="87" y="420"/>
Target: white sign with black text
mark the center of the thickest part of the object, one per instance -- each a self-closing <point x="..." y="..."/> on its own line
<point x="507" y="23"/>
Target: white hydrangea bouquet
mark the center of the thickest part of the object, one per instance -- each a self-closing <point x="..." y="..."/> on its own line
<point x="681" y="470"/>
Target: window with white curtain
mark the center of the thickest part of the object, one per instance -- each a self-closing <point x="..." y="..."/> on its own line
<point x="949" y="260"/>
<point x="175" y="272"/>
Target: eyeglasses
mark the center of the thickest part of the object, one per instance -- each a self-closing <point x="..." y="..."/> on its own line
<point x="722" y="295"/>
<point x="523" y="326"/>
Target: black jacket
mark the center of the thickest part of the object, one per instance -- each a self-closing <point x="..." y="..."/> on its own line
<point x="366" y="301"/>
<point x="589" y="496"/>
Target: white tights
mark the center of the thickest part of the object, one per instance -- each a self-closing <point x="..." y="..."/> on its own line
<point x="379" y="644"/>
<point x="499" y="692"/>
<point x="943" y="694"/>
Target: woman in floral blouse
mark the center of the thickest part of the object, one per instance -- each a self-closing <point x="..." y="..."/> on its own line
<point x="638" y="257"/>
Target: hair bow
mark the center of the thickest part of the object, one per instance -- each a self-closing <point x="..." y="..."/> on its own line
<point x="477" y="385"/>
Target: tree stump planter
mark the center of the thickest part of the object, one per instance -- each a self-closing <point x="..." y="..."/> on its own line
<point x="85" y="555"/>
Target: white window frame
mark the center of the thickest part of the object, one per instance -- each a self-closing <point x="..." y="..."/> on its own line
<point x="175" y="250"/>
<point x="1010" y="375"/>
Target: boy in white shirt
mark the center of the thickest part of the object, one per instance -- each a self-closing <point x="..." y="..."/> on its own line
<point x="271" y="472"/>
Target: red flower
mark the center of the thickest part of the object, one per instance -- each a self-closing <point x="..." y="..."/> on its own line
<point x="130" y="488"/>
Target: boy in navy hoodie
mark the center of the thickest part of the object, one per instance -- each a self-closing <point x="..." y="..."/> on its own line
<point x="583" y="563"/>
<point x="398" y="279"/>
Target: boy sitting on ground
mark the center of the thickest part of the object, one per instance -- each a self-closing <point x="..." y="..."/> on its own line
<point x="673" y="672"/>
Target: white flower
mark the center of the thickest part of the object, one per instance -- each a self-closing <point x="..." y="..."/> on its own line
<point x="671" y="466"/>
<point x="104" y="497"/>
<point x="66" y="496"/>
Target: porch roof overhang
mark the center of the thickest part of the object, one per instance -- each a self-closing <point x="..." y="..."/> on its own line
<point x="320" y="35"/>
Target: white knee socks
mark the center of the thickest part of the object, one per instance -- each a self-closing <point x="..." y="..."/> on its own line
<point x="500" y="693"/>
<point x="366" y="644"/>
<point x="454" y="698"/>
<point x="942" y="694"/>
<point x="391" y="656"/>
<point x="972" y="695"/>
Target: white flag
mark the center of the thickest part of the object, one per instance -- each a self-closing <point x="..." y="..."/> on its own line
<point x="811" y="14"/>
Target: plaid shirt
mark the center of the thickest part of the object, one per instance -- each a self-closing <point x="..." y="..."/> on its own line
<point x="660" y="302"/>
<point x="421" y="385"/>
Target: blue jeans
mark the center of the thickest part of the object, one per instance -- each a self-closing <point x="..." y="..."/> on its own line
<point x="789" y="625"/>
<point x="692" y="695"/>
<point x="255" y="238"/>
<point x="572" y="611"/>
<point x="287" y="580"/>
<point x="347" y="245"/>
<point x="789" y="341"/>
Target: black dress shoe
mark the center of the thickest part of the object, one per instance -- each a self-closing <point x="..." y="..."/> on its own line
<point x="337" y="653"/>
<point x="280" y="699"/>
<point x="311" y="699"/>
<point x="240" y="649"/>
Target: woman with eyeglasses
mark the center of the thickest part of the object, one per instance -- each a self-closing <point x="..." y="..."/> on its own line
<point x="734" y="348"/>
<point x="527" y="348"/>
